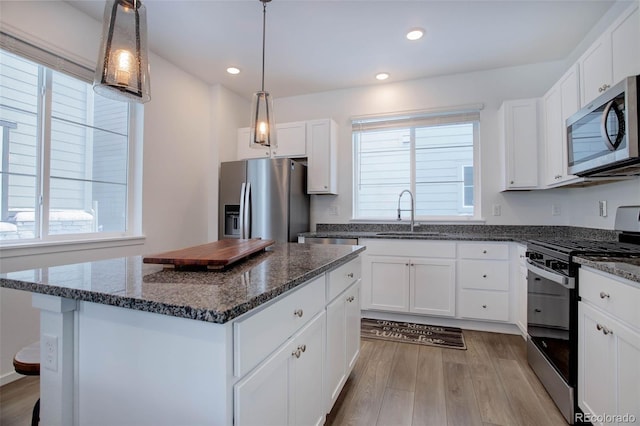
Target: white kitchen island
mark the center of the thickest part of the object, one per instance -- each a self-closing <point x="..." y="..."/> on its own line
<point x="131" y="344"/>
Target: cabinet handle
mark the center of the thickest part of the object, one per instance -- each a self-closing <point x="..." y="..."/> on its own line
<point x="325" y="187"/>
<point x="406" y="264"/>
<point x="350" y="299"/>
<point x="604" y="329"/>
<point x="603" y="88"/>
<point x="512" y="182"/>
<point x="537" y="310"/>
<point x="296" y="353"/>
<point x="484" y="306"/>
<point x="350" y="275"/>
<point x="298" y="313"/>
<point x="484" y="275"/>
<point x="484" y="252"/>
<point x="604" y="295"/>
<point x="302" y="348"/>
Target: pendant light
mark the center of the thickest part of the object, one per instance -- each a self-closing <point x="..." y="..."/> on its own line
<point x="123" y="66"/>
<point x="262" y="120"/>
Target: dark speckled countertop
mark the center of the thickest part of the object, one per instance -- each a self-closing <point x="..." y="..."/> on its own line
<point x="212" y="296"/>
<point x="624" y="267"/>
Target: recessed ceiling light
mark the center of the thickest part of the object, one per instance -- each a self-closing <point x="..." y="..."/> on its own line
<point x="415" y="34"/>
<point x="233" y="70"/>
<point x="382" y="76"/>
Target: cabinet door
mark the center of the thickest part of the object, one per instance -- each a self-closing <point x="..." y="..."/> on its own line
<point x="322" y="160"/>
<point x="336" y="349"/>
<point x="628" y="371"/>
<point x="244" y="152"/>
<point x="352" y="326"/>
<point x="553" y="126"/>
<point x="307" y="372"/>
<point x="292" y="140"/>
<point x="262" y="397"/>
<point x="596" y="358"/>
<point x="521" y="143"/>
<point x="596" y="69"/>
<point x="432" y="287"/>
<point x="625" y="39"/>
<point x="388" y="282"/>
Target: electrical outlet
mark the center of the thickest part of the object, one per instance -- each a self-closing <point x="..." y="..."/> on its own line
<point x="333" y="210"/>
<point x="50" y="352"/>
<point x="602" y="206"/>
<point x="555" y="210"/>
<point x="497" y="210"/>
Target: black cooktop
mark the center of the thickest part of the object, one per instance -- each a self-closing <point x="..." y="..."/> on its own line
<point x="586" y="247"/>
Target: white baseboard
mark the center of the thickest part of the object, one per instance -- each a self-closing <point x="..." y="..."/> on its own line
<point x="10" y="377"/>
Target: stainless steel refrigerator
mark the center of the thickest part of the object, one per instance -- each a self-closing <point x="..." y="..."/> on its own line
<point x="263" y="198"/>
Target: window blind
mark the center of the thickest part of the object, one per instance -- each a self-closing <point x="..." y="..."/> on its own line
<point x="44" y="57"/>
<point x="417" y="119"/>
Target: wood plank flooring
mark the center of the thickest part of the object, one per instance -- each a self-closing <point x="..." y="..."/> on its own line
<point x="490" y="383"/>
<point x="397" y="384"/>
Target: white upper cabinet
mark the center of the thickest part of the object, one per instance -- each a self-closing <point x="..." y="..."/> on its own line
<point x="292" y="140"/>
<point x="244" y="151"/>
<point x="560" y="102"/>
<point x="519" y="138"/>
<point x="613" y="56"/>
<point x="322" y="173"/>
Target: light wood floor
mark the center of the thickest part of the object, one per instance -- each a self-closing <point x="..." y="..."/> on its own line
<point x="403" y="384"/>
<point x="17" y="400"/>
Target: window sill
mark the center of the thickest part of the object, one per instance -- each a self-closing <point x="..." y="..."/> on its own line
<point x="40" y="247"/>
<point x="421" y="221"/>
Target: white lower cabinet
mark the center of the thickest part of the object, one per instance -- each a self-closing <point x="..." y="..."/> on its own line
<point x="608" y="349"/>
<point x="300" y="351"/>
<point x="432" y="289"/>
<point x="343" y="340"/>
<point x="284" y="389"/>
<point x="483" y="281"/>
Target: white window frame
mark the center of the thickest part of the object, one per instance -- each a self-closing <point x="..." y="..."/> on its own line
<point x="467" y="113"/>
<point x="45" y="244"/>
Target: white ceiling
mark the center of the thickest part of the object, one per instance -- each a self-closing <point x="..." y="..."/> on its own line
<point x="315" y="46"/>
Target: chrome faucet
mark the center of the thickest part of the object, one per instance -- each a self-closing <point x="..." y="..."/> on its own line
<point x="413" y="207"/>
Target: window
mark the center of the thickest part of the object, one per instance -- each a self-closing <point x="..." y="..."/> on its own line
<point x="431" y="155"/>
<point x="65" y="151"/>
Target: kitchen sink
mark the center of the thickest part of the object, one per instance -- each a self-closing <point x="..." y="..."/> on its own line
<point x="408" y="234"/>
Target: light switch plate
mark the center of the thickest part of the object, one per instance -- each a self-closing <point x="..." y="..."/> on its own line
<point x="602" y="206"/>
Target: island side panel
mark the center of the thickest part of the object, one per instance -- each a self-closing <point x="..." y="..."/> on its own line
<point x="143" y="368"/>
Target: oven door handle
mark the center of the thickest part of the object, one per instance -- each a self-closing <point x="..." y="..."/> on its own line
<point x="566" y="282"/>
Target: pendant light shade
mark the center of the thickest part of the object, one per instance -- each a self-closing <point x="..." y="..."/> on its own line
<point x="122" y="72"/>
<point x="263" y="131"/>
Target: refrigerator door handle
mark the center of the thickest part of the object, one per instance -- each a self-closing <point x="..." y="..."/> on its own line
<point x="247" y="211"/>
<point x="242" y="192"/>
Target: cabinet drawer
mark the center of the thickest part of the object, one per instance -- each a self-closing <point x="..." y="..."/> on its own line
<point x="410" y="248"/>
<point x="612" y="296"/>
<point x="342" y="277"/>
<point x="484" y="274"/>
<point x="257" y="335"/>
<point x="485" y="305"/>
<point x="483" y="251"/>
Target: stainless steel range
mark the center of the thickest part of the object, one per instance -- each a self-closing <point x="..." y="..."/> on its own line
<point x="552" y="304"/>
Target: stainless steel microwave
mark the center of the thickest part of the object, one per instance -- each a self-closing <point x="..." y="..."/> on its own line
<point x="602" y="138"/>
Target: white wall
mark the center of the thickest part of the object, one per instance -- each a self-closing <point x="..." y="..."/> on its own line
<point x="177" y="154"/>
<point x="578" y="206"/>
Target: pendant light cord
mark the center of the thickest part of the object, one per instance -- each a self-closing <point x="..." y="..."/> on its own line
<point x="264" y="21"/>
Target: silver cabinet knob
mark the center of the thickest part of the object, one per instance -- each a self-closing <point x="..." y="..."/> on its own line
<point x="350" y="275"/>
<point x="296" y="353"/>
<point x="484" y="252"/>
<point x="484" y="275"/>
<point x="604" y="329"/>
<point x="298" y="313"/>
<point x="484" y="306"/>
<point x="604" y="295"/>
<point x="512" y="182"/>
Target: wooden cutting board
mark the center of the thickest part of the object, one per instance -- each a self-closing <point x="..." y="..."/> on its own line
<point x="215" y="255"/>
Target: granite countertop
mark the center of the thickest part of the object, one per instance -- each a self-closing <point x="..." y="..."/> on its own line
<point x="624" y="267"/>
<point x="511" y="233"/>
<point x="212" y="296"/>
